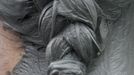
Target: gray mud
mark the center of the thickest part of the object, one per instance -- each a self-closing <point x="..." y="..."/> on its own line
<point x="116" y="60"/>
<point x="32" y="63"/>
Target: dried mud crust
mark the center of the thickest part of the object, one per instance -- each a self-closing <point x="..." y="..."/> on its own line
<point x="10" y="50"/>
